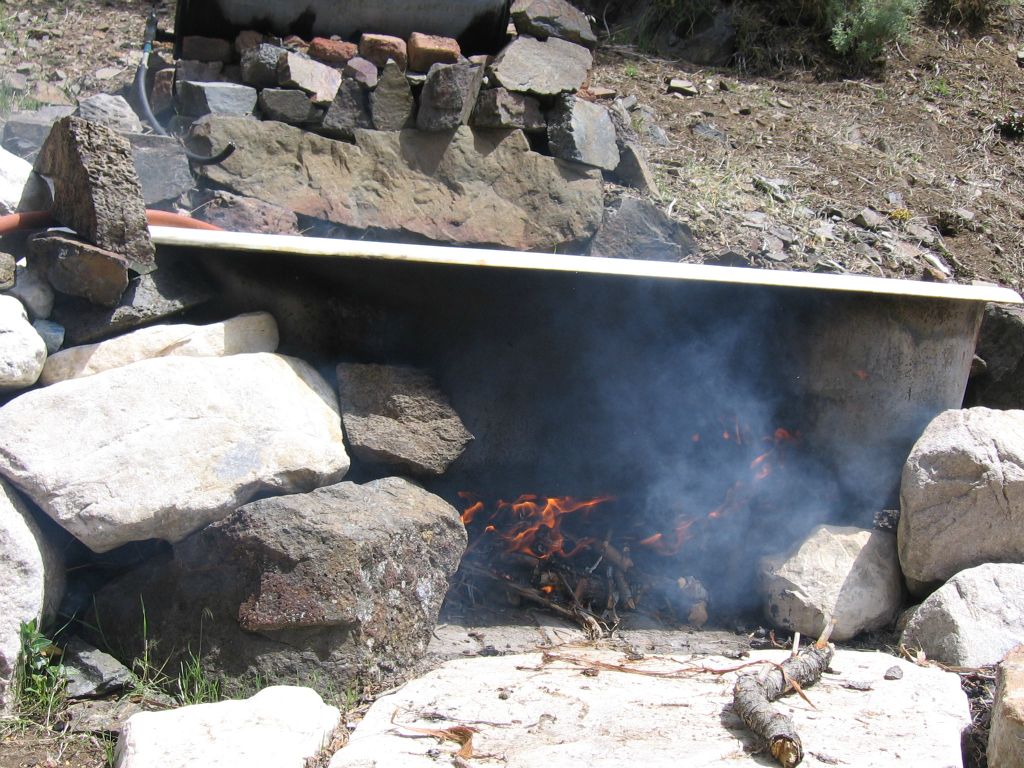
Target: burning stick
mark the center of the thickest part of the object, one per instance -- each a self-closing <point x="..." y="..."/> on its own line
<point x="588" y="622"/>
<point x="754" y="693"/>
<point x="625" y="594"/>
<point x="619" y="559"/>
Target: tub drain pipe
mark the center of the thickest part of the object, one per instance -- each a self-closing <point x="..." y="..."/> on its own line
<point x="142" y="99"/>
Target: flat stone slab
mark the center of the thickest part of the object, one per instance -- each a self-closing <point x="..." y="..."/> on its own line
<point x="536" y="710"/>
<point x="542" y="68"/>
<point x="505" y="194"/>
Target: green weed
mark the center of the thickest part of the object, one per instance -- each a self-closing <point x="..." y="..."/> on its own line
<point x="40" y="681"/>
<point x="939" y="87"/>
<point x="194" y="686"/>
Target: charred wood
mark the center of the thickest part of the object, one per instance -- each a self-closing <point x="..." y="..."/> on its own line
<point x="754" y="693"/>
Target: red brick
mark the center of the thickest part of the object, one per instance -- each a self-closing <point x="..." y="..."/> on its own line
<point x="380" y="48"/>
<point x="332" y="51"/>
<point x="425" y="50"/>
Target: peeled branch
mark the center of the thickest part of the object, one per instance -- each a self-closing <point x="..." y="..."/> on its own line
<point x="754" y="693"/>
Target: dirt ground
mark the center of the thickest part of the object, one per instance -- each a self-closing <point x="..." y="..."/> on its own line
<point x="768" y="171"/>
<point x="31" y="746"/>
<point x="918" y="145"/>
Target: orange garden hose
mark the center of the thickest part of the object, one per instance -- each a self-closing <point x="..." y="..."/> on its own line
<point x="39" y="219"/>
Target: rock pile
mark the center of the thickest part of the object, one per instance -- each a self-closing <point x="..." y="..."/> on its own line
<point x="313" y="121"/>
<point x="203" y="437"/>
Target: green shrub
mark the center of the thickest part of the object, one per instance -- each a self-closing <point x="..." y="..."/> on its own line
<point x="865" y="28"/>
<point x="860" y="29"/>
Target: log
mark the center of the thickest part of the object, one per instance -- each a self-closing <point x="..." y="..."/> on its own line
<point x="754" y="693"/>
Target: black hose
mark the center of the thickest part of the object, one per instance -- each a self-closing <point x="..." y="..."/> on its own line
<point x="142" y="98"/>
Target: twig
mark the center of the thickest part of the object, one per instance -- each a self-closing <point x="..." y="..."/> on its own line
<point x="753" y="695"/>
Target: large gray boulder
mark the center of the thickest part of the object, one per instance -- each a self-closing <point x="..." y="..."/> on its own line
<point x="22" y="349"/>
<point x="162" y="167"/>
<point x="259" y="65"/>
<point x="448" y="96"/>
<point x="485" y="188"/>
<point x="392" y="103"/>
<point x="349" y="110"/>
<point x="170" y="290"/>
<point x="1006" y="736"/>
<point x="196" y="99"/>
<point x="501" y="108"/>
<point x="31" y="583"/>
<point x="335" y="586"/>
<point x="396" y="416"/>
<point x="243" y="214"/>
<point x="543" y="68"/>
<point x="850" y="575"/>
<point x="962" y="496"/>
<point x="289" y="105"/>
<point x="77" y="268"/>
<point x="582" y="131"/>
<point x="252" y="332"/>
<point x="637" y="229"/>
<point x="972" y="620"/>
<point x="32" y="290"/>
<point x="552" y="18"/>
<point x="112" y="111"/>
<point x="1001" y="346"/>
<point x="114" y="458"/>
<point x="90" y="672"/>
<point x="279" y="727"/>
<point x="96" y="189"/>
<point x="25" y="132"/>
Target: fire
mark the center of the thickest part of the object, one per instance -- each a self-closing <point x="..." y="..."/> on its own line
<point x="533" y="525"/>
<point x="670" y="545"/>
<point x="470" y="512"/>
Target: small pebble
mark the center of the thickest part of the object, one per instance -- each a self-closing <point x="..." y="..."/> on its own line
<point x="893" y="673"/>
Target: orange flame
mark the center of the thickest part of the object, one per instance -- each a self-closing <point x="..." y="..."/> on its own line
<point x="470" y="512"/>
<point x="532" y="526"/>
<point x="666" y="546"/>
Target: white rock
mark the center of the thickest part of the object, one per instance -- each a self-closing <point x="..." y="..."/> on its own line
<point x="163" y="447"/>
<point x="255" y="332"/>
<point x="962" y="496"/>
<point x="279" y="727"/>
<point x="1006" y="736"/>
<point x="22" y="349"/>
<point x="849" y="574"/>
<point x="20" y="190"/>
<point x="536" y="714"/>
<point x="973" y="619"/>
<point x="32" y="290"/>
<point x="31" y="583"/>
